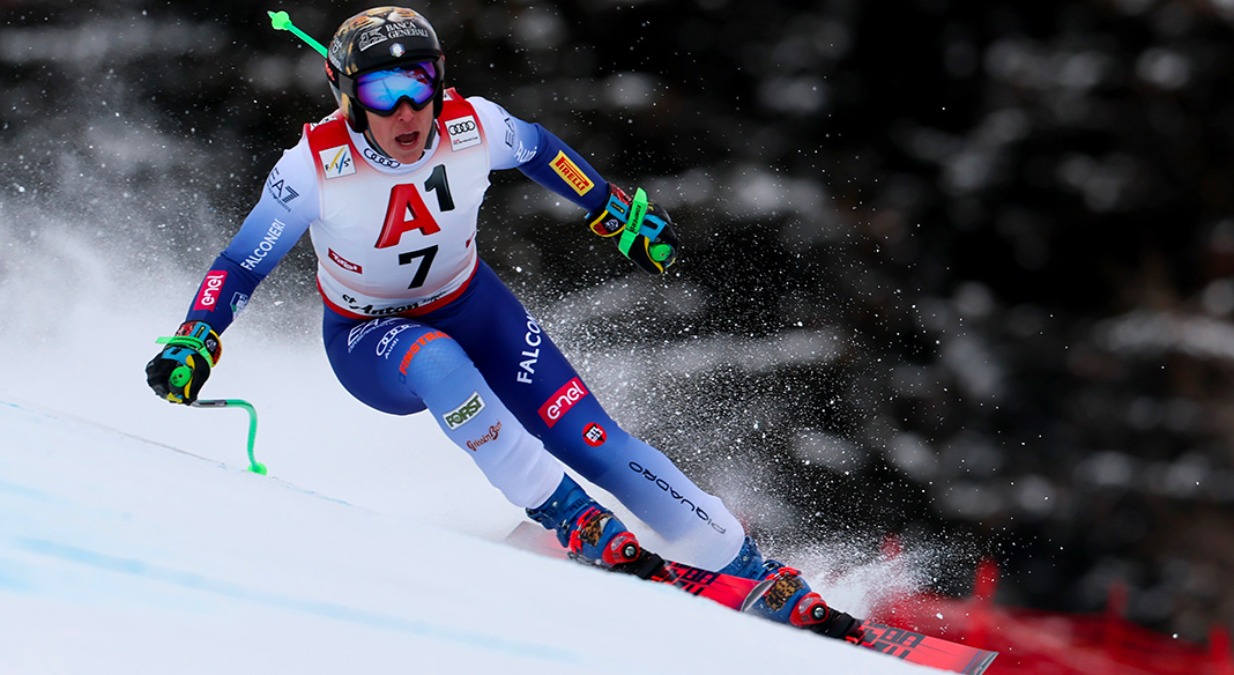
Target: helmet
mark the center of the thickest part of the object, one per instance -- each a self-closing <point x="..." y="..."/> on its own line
<point x="375" y="39"/>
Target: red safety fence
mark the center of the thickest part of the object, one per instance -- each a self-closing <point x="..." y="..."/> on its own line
<point x="1040" y="643"/>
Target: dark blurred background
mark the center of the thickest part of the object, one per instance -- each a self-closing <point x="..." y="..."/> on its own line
<point x="955" y="270"/>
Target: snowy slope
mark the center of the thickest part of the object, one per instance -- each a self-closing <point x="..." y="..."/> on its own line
<point x="146" y="559"/>
<point x="132" y="541"/>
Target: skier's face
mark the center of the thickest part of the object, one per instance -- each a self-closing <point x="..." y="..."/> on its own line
<point x="403" y="134"/>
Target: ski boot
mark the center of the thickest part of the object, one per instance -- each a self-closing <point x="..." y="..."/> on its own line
<point x="593" y="535"/>
<point x="789" y="599"/>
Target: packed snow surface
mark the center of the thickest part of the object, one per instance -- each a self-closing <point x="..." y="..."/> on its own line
<point x="123" y="555"/>
<point x="133" y="540"/>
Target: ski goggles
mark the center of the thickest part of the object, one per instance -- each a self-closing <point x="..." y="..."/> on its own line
<point x="380" y="91"/>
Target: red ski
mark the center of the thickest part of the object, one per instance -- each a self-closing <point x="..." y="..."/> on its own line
<point x="926" y="650"/>
<point x="732" y="592"/>
<point x="739" y="594"/>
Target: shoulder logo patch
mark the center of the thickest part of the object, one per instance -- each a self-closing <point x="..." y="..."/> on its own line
<point x="337" y="161"/>
<point x="464" y="132"/>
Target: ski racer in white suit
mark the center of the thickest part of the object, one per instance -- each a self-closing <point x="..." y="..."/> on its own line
<point x="389" y="188"/>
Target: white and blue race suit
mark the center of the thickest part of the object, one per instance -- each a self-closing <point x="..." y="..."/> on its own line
<point x="413" y="319"/>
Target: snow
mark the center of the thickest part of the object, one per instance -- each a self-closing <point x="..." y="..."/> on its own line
<point x="133" y="540"/>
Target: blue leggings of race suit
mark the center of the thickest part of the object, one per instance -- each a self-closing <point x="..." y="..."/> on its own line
<point x="516" y="360"/>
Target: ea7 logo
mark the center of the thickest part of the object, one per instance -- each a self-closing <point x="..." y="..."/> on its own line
<point x="279" y="189"/>
<point x="337" y="162"/>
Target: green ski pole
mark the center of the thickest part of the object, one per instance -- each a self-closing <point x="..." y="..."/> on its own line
<point x="254" y="465"/>
<point x="281" y="21"/>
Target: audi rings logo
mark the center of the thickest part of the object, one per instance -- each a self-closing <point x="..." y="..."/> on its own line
<point x="464" y="132"/>
<point x="378" y="158"/>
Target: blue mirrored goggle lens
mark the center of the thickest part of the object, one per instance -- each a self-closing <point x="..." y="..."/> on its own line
<point x="381" y="90"/>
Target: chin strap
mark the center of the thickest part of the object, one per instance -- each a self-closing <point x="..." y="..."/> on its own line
<point x="372" y="142"/>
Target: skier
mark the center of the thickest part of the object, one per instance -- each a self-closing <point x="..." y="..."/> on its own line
<point x="390" y="185"/>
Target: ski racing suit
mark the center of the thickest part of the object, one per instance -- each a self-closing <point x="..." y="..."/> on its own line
<point x="413" y="319"/>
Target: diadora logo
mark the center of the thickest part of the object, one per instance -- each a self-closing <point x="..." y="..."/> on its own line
<point x="211" y="287"/>
<point x="464" y="413"/>
<point x="337" y="162"/>
<point x="463" y="132"/>
<point x="571" y="174"/>
<point x="560" y="403"/>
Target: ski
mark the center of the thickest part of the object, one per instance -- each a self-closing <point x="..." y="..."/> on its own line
<point x="733" y="592"/>
<point x="925" y="650"/>
<point x="739" y="594"/>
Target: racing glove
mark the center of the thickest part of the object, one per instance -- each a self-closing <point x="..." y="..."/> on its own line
<point x="178" y="372"/>
<point x="643" y="230"/>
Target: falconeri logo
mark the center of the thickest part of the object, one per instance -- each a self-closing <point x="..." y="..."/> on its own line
<point x="464" y="413"/>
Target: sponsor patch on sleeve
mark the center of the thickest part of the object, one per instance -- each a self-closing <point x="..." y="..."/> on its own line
<point x="571" y="174"/>
<point x="211" y="287"/>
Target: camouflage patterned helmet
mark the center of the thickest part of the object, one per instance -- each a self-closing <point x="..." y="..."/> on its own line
<point x="379" y="38"/>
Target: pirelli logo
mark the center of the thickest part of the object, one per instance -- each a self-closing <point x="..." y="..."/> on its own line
<point x="571" y="174"/>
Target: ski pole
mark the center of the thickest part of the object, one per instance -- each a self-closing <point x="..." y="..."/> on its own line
<point x="254" y="465"/>
<point x="281" y="21"/>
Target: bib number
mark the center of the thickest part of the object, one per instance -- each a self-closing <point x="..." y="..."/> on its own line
<point x="406" y="212"/>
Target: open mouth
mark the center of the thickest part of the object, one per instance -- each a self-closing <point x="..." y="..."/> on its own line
<point x="407" y="140"/>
